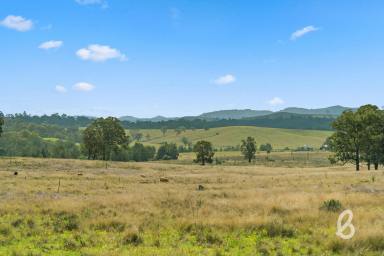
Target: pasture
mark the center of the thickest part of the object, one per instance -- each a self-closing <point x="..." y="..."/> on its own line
<point x="78" y="207"/>
<point x="231" y="136"/>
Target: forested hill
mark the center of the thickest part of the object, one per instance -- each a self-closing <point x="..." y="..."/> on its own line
<point x="234" y="114"/>
<point x="275" y="120"/>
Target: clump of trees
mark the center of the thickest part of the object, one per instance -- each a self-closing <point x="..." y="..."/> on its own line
<point x="1" y="122"/>
<point x="248" y="148"/>
<point x="358" y="137"/>
<point x="105" y="139"/>
<point x="167" y="151"/>
<point x="104" y="136"/>
<point x="204" y="152"/>
<point x="141" y="153"/>
<point x="267" y="147"/>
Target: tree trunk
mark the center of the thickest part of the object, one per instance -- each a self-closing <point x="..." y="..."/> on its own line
<point x="357" y="160"/>
<point x="369" y="165"/>
<point x="249" y="159"/>
<point x="203" y="161"/>
<point x="376" y="166"/>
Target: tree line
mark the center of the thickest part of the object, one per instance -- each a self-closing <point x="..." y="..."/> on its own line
<point x="276" y="120"/>
<point x="359" y="137"/>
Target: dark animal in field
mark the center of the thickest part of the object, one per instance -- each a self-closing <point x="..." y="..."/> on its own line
<point x="165" y="180"/>
<point x="200" y="187"/>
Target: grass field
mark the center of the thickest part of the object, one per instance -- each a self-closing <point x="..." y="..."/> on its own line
<point x="274" y="159"/>
<point x="238" y="210"/>
<point x="232" y="136"/>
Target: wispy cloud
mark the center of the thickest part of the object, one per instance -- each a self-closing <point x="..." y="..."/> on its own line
<point x="100" y="53"/>
<point x="18" y="23"/>
<point x="60" y="89"/>
<point x="226" y="79"/>
<point x="102" y="3"/>
<point x="51" y="45"/>
<point x="83" y="87"/>
<point x="301" y="32"/>
<point x="276" y="101"/>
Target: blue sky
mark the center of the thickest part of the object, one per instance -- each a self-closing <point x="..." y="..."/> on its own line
<point x="179" y="57"/>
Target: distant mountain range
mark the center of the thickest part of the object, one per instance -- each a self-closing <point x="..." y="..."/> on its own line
<point x="152" y="119"/>
<point x="245" y="113"/>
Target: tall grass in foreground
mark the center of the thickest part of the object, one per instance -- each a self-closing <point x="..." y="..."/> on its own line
<point x="241" y="210"/>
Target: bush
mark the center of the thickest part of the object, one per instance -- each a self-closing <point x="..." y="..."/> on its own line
<point x="275" y="229"/>
<point x="141" y="153"/>
<point x="167" y="151"/>
<point x="331" y="205"/>
<point x="65" y="221"/>
<point x="132" y="238"/>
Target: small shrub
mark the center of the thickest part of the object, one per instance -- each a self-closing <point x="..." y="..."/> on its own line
<point x="206" y="236"/>
<point x="375" y="243"/>
<point x="132" y="238"/>
<point x="336" y="246"/>
<point x="31" y="223"/>
<point x="17" y="223"/>
<point x="331" y="205"/>
<point x="5" y="230"/>
<point x="71" y="244"/>
<point x="275" y="229"/>
<point x="65" y="221"/>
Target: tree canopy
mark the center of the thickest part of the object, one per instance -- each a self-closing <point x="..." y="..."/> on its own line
<point x="1" y="122"/>
<point x="248" y="148"/>
<point x="103" y="136"/>
<point x="359" y="136"/>
<point x="204" y="152"/>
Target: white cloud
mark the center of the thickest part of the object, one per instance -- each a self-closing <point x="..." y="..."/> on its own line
<point x="301" y="32"/>
<point x="103" y="3"/>
<point x="84" y="87"/>
<point x="17" y="23"/>
<point x="60" y="89"/>
<point x="100" y="53"/>
<point x="276" y="101"/>
<point x="51" y="45"/>
<point x="227" y="79"/>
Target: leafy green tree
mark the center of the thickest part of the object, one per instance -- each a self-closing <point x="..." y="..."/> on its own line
<point x="266" y="147"/>
<point x="103" y="136"/>
<point x="358" y="136"/>
<point x="141" y="153"/>
<point x="164" y="130"/>
<point x="248" y="148"/>
<point x="65" y="149"/>
<point x="187" y="143"/>
<point x="327" y="144"/>
<point x="347" y="141"/>
<point x="1" y="122"/>
<point x="204" y="152"/>
<point x="93" y="141"/>
<point x="373" y="134"/>
<point x="167" y="151"/>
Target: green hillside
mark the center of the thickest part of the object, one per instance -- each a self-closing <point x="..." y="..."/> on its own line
<point x="232" y="136"/>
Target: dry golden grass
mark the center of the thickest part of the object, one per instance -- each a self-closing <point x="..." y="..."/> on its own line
<point x="126" y="210"/>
